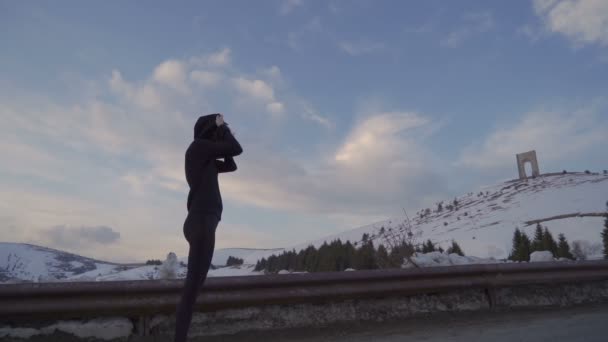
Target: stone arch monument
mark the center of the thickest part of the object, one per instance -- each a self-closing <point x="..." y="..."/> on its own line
<point x="527" y="157"/>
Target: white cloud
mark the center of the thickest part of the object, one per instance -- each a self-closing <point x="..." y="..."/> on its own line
<point x="260" y="92"/>
<point x="206" y="78"/>
<point x="257" y="89"/>
<point x="274" y="72"/>
<point x="275" y="108"/>
<point x="145" y="96"/>
<point x="287" y="6"/>
<point x="377" y="137"/>
<point x="381" y="166"/>
<point x="473" y="24"/>
<point x="555" y="136"/>
<point x="218" y="59"/>
<point x="63" y="236"/>
<point x="172" y="73"/>
<point x="361" y="47"/>
<point x="582" y="21"/>
<point x="311" y="114"/>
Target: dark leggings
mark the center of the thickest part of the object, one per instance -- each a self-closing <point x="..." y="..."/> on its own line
<point x="199" y="230"/>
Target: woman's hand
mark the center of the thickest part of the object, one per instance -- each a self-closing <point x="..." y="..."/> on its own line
<point x="219" y="120"/>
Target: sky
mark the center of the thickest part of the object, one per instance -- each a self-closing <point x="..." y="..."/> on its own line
<point x="349" y="112"/>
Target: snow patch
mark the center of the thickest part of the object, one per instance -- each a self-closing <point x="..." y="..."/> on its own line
<point x="103" y="328"/>
<point x="541" y="256"/>
<point x="434" y="259"/>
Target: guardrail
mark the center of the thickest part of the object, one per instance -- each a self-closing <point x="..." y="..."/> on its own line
<point x="147" y="297"/>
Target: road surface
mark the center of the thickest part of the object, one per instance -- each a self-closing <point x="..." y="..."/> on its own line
<point x="589" y="324"/>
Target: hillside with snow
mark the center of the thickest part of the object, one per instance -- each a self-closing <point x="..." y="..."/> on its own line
<point x="20" y="262"/>
<point x="482" y="222"/>
<point x="25" y="262"/>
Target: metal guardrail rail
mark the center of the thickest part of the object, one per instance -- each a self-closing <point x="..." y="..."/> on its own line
<point x="148" y="297"/>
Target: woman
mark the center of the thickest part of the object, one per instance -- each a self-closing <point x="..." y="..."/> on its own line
<point x="212" y="140"/>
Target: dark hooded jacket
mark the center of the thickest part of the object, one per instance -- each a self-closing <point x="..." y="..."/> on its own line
<point x="202" y="167"/>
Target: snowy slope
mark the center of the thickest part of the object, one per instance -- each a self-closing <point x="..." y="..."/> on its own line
<point x="24" y="262"/>
<point x="483" y="224"/>
<point x="27" y="262"/>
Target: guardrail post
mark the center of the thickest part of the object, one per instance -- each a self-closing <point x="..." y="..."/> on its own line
<point x="142" y="326"/>
<point x="490" y="293"/>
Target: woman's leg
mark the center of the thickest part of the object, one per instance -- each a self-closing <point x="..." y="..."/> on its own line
<point x="200" y="233"/>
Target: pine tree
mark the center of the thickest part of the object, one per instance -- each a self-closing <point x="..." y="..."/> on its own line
<point x="428" y="247"/>
<point x="563" y="248"/>
<point x="455" y="249"/>
<point x="605" y="233"/>
<point x="548" y="243"/>
<point x="526" y="248"/>
<point x="365" y="257"/>
<point x="234" y="261"/>
<point x="537" y="243"/>
<point x="516" y="245"/>
<point x="520" y="251"/>
<point x="382" y="257"/>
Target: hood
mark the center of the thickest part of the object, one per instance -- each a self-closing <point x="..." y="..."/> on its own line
<point x="204" y="124"/>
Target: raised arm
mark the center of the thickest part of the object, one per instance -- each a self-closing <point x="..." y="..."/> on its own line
<point x="228" y="165"/>
<point x="227" y="147"/>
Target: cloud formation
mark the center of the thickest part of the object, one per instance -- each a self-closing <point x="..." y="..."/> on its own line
<point x="581" y="21"/>
<point x="70" y="237"/>
<point x="173" y="74"/>
<point x="472" y="24"/>
<point x="380" y="165"/>
<point x="555" y="135"/>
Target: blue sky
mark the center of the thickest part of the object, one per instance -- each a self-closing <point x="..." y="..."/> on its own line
<point x="348" y="111"/>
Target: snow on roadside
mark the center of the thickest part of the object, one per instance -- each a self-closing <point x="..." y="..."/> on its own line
<point x="541" y="256"/>
<point x="443" y="259"/>
<point x="103" y="328"/>
<point x="434" y="259"/>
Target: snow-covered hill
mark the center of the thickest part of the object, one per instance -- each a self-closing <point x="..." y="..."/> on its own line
<point x="483" y="221"/>
<point x="19" y="261"/>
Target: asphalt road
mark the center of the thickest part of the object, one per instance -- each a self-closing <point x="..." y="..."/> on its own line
<point x="589" y="324"/>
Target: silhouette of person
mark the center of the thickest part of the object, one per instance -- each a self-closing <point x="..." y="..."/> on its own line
<point x="212" y="140"/>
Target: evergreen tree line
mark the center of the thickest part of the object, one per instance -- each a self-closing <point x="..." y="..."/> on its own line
<point x="234" y="261"/>
<point x="339" y="256"/>
<point x="543" y="240"/>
